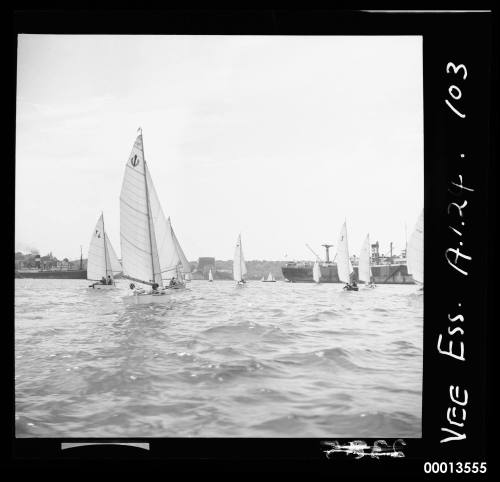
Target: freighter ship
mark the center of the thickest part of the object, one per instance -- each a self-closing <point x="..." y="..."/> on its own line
<point x="385" y="269"/>
<point x="51" y="274"/>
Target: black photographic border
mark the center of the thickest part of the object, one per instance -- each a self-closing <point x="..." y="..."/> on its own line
<point x="459" y="37"/>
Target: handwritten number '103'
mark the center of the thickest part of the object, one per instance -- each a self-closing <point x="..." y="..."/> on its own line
<point x="454" y="92"/>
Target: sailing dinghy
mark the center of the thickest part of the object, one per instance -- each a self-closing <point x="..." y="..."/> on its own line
<point x="210" y="276"/>
<point x="316" y="272"/>
<point x="239" y="265"/>
<point x="270" y="279"/>
<point x="344" y="265"/>
<point x="415" y="255"/>
<point x="364" y="267"/>
<point x="185" y="267"/>
<point x="151" y="252"/>
<point x="102" y="264"/>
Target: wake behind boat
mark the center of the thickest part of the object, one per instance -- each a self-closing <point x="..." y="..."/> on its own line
<point x="102" y="264"/>
<point x="151" y="253"/>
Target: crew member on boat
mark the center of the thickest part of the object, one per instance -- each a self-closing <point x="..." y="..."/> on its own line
<point x="110" y="281"/>
<point x="103" y="280"/>
<point x="136" y="290"/>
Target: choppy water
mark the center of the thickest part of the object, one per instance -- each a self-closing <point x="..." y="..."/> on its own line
<point x="267" y="360"/>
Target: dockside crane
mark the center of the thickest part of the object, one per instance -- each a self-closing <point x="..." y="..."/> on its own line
<point x="327" y="248"/>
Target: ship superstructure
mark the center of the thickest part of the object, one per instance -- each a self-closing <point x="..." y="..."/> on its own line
<point x="385" y="269"/>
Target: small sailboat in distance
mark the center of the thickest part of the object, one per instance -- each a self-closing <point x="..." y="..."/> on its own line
<point x="415" y="254"/>
<point x="344" y="264"/>
<point x="239" y="265"/>
<point x="151" y="253"/>
<point x="210" y="276"/>
<point x="316" y="272"/>
<point x="102" y="264"/>
<point x="270" y="279"/>
<point x="364" y="268"/>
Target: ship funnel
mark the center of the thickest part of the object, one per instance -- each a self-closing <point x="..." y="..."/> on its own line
<point x="327" y="249"/>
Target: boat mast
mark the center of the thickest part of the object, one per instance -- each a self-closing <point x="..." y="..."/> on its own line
<point x="148" y="209"/>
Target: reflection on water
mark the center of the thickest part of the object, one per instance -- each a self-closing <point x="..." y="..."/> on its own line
<point x="266" y="360"/>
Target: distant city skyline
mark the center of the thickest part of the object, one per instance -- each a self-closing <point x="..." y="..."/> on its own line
<point x="277" y="138"/>
<point x="25" y="249"/>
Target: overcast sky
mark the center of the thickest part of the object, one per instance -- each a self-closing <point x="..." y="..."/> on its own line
<point x="279" y="138"/>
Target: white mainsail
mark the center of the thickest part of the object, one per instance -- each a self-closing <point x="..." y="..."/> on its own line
<point x="149" y="250"/>
<point x="102" y="260"/>
<point x="270" y="277"/>
<point x="343" y="261"/>
<point x="415" y="254"/>
<point x="316" y="272"/>
<point x="210" y="277"/>
<point x="364" y="269"/>
<point x="239" y="265"/>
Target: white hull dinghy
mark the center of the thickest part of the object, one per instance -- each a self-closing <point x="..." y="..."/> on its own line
<point x="100" y="286"/>
<point x="239" y="265"/>
<point x="102" y="264"/>
<point x="344" y="265"/>
<point x="151" y="252"/>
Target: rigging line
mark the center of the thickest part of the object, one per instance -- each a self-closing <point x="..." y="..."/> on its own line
<point x="169" y="269"/>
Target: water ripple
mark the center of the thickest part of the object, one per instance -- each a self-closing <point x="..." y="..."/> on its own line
<point x="286" y="360"/>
